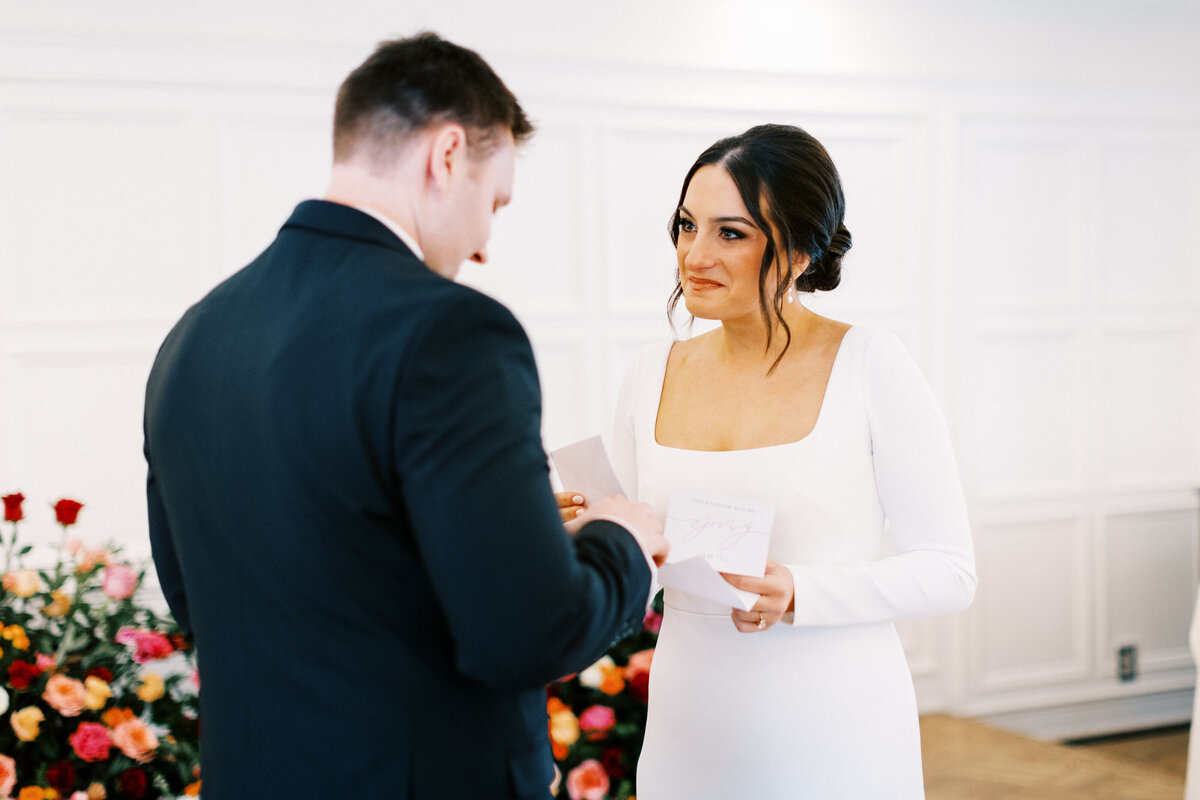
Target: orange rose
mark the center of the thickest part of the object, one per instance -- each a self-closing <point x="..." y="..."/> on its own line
<point x="16" y="635"/>
<point x="96" y="791"/>
<point x="564" y="727"/>
<point x="152" y="688"/>
<point x="98" y="692"/>
<point x="26" y="723"/>
<point x="192" y="789"/>
<point x="32" y="793"/>
<point x="135" y="740"/>
<point x="65" y="695"/>
<point x="60" y="605"/>
<point x="115" y="716"/>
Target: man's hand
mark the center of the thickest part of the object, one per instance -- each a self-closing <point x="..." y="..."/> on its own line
<point x="637" y="518"/>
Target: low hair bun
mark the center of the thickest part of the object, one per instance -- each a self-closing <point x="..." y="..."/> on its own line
<point x="825" y="273"/>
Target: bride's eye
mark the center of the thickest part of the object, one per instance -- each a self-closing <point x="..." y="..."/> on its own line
<point x="731" y="234"/>
<point x="685" y="225"/>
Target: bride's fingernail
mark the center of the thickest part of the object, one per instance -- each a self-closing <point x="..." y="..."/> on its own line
<point x="577" y="499"/>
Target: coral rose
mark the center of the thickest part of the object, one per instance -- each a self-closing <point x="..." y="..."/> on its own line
<point x="91" y="743"/>
<point x="119" y="581"/>
<point x="67" y="511"/>
<point x="639" y="663"/>
<point x="91" y="557"/>
<point x="13" y="513"/>
<point x="27" y="722"/>
<point x="588" y="781"/>
<point x="23" y="583"/>
<point x="60" y="604"/>
<point x="96" y="791"/>
<point x="135" y="740"/>
<point x="8" y="775"/>
<point x="152" y="688"/>
<point x="98" y="692"/>
<point x="597" y="720"/>
<point x="65" y="695"/>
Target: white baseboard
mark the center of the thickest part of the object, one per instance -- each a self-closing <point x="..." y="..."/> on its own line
<point x="1098" y="717"/>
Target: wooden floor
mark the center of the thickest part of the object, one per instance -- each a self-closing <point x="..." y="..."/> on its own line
<point x="967" y="760"/>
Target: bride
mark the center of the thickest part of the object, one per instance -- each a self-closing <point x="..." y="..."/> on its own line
<point x="808" y="694"/>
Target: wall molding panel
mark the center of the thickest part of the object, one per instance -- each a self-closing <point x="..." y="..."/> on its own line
<point x="1024" y="218"/>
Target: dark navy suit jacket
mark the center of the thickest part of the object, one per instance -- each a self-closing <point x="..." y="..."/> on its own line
<point x="351" y="515"/>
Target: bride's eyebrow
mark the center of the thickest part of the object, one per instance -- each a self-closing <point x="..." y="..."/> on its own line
<point x="743" y="220"/>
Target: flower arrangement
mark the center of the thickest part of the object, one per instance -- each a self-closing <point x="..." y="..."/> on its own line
<point x="97" y="697"/>
<point x="598" y="718"/>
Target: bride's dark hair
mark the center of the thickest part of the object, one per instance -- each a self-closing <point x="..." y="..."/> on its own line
<point x="789" y="184"/>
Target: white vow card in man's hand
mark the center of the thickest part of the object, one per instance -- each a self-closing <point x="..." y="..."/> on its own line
<point x="710" y="534"/>
<point x="584" y="467"/>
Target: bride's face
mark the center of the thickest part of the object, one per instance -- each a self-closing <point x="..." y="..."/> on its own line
<point x="719" y="248"/>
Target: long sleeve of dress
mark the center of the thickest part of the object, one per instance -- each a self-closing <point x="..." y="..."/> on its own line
<point x="933" y="570"/>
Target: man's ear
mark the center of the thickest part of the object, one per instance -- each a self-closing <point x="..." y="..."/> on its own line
<point x="447" y="154"/>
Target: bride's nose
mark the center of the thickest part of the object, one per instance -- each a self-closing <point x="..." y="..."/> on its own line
<point x="697" y="255"/>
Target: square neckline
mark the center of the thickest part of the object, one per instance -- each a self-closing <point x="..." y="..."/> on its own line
<point x="833" y="372"/>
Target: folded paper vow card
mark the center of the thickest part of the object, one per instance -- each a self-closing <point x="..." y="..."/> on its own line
<point x="584" y="467"/>
<point x="711" y="534"/>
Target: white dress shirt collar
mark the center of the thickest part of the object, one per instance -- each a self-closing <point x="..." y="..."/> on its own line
<point x="404" y="235"/>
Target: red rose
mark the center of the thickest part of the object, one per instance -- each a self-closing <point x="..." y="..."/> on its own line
<point x="639" y="687"/>
<point x="21" y="674"/>
<point x="67" y="511"/>
<point x="12" y="507"/>
<point x="614" y="763"/>
<point x="134" y="783"/>
<point x="99" y="672"/>
<point x="61" y="777"/>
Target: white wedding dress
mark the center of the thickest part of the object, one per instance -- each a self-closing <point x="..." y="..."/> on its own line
<point x="821" y="706"/>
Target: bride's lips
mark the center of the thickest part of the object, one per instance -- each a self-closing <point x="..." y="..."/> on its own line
<point x="701" y="284"/>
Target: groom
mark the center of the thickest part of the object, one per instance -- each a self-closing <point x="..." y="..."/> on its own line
<point x="349" y="503"/>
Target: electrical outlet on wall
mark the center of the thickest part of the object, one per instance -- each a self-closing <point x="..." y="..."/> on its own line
<point x="1127" y="666"/>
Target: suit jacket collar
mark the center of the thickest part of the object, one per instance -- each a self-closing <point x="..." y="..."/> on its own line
<point x="335" y="219"/>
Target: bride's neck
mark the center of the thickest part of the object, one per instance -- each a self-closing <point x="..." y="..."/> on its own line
<point x="743" y="342"/>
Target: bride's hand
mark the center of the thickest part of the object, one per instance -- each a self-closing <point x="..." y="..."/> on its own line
<point x="777" y="594"/>
<point x="570" y="506"/>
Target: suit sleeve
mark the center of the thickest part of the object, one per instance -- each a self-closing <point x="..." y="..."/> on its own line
<point x="166" y="560"/>
<point x="933" y="571"/>
<point x="525" y="602"/>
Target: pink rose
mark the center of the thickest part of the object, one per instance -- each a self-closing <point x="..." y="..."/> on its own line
<point x="135" y="740"/>
<point x="150" y="645"/>
<point x="65" y="695"/>
<point x="8" y="775"/>
<point x="119" y="581"/>
<point x="44" y="662"/>
<point x="91" y="741"/>
<point x="596" y="720"/>
<point x="652" y="622"/>
<point x="588" y="781"/>
<point x="639" y="664"/>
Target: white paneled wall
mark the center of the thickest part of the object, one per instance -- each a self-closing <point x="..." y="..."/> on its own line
<point x="1023" y="186"/>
